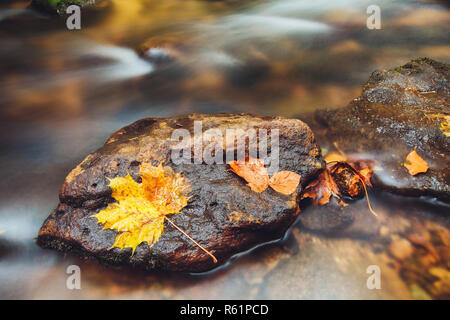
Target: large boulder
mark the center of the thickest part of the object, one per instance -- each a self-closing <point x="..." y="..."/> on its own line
<point x="399" y="110"/>
<point x="223" y="215"/>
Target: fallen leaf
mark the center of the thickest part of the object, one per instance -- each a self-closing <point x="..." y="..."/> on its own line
<point x="142" y="208"/>
<point x="347" y="179"/>
<point x="364" y="167"/>
<point x="321" y="189"/>
<point x="445" y="125"/>
<point x="415" y="164"/>
<point x="334" y="156"/>
<point x="253" y="171"/>
<point x="366" y="174"/>
<point x="139" y="214"/>
<point x="340" y="179"/>
<point x="285" y="182"/>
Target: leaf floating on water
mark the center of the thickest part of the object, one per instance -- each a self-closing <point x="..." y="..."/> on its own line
<point x="415" y="164"/>
<point x="253" y="171"/>
<point x="285" y="182"/>
<point x="141" y="209"/>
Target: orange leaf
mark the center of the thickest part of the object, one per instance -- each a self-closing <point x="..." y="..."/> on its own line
<point x="366" y="173"/>
<point x="285" y="182"/>
<point x="334" y="156"/>
<point x="253" y="171"/>
<point x="415" y="164"/>
<point x="364" y="169"/>
<point x="346" y="178"/>
<point x="321" y="189"/>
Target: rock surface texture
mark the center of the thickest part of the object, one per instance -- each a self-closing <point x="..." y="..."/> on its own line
<point x="60" y="6"/>
<point x="399" y="110"/>
<point x="223" y="214"/>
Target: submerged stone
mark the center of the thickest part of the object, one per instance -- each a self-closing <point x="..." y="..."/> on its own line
<point x="399" y="110"/>
<point x="223" y="214"/>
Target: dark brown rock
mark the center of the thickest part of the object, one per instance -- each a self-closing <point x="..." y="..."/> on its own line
<point x="60" y="6"/>
<point x="223" y="215"/>
<point x="390" y="119"/>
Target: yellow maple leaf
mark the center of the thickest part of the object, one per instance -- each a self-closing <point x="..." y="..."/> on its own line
<point x="139" y="214"/>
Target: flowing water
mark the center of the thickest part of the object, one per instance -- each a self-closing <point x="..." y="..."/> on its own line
<point x="62" y="93"/>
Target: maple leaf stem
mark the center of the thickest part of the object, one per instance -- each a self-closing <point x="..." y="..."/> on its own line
<point x="196" y="243"/>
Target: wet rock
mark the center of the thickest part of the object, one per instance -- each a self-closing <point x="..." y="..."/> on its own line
<point x="396" y="113"/>
<point x="60" y="6"/>
<point x="329" y="218"/>
<point x="223" y="215"/>
<point x="163" y="49"/>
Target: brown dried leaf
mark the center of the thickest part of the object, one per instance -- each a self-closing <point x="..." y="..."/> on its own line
<point x="363" y="167"/>
<point x="415" y="164"/>
<point x="347" y="179"/>
<point x="285" y="182"/>
<point x="366" y="174"/>
<point x="321" y="189"/>
<point x="253" y="171"/>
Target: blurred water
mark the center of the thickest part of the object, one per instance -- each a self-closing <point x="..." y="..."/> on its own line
<point x="62" y="93"/>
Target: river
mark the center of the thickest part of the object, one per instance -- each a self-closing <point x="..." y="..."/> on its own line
<point x="64" y="92"/>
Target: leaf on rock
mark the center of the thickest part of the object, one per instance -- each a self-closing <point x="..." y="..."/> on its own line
<point x="415" y="164"/>
<point x="444" y="125"/>
<point x="285" y="182"/>
<point x="253" y="171"/>
<point x="139" y="214"/>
